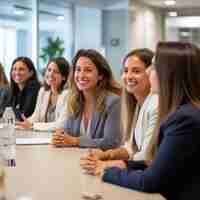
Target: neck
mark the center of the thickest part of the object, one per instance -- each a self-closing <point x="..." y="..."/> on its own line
<point x="21" y="86"/>
<point x="54" y="91"/>
<point x="141" y="97"/>
<point x="88" y="97"/>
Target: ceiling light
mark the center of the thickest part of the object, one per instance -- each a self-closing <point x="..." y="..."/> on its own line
<point x="173" y="14"/>
<point x="170" y="2"/>
<point x="19" y="12"/>
<point x="60" y="17"/>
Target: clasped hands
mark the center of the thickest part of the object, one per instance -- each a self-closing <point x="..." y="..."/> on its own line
<point x="61" y="139"/>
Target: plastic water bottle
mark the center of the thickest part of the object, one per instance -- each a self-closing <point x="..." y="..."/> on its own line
<point x="8" y="140"/>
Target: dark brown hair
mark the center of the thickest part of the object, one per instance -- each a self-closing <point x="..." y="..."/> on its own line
<point x="64" y="69"/>
<point x="3" y="78"/>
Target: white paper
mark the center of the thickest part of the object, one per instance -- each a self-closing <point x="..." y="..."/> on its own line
<point x="33" y="140"/>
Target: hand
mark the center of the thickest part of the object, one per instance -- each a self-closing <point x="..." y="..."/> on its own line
<point x="92" y="165"/>
<point x="25" y="124"/>
<point x="61" y="139"/>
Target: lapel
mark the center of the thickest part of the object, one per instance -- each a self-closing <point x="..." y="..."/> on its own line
<point x="45" y="104"/>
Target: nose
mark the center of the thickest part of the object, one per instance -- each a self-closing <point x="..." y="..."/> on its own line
<point x="81" y="74"/>
<point x="130" y="76"/>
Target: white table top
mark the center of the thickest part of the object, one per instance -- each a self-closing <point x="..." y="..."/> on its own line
<point x="44" y="172"/>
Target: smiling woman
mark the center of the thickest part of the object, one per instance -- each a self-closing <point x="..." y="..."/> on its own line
<point x="24" y="86"/>
<point x="50" y="111"/>
<point x="93" y="109"/>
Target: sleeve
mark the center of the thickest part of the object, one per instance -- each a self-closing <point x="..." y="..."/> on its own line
<point x="177" y="147"/>
<point x="30" y="99"/>
<point x="112" y="134"/>
<point x="61" y="114"/>
<point x="152" y="116"/>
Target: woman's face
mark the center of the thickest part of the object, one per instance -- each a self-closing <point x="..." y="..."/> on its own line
<point x="135" y="77"/>
<point x="20" y="73"/>
<point x="53" y="76"/>
<point x="86" y="75"/>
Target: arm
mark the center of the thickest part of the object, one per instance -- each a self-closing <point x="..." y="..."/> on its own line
<point x="30" y="99"/>
<point x="177" y="147"/>
<point x="111" y="130"/>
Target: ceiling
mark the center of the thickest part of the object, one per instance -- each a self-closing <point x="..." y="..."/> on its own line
<point x="184" y="7"/>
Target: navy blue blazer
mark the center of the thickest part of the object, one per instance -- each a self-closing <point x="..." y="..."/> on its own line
<point x="105" y="126"/>
<point x="175" y="171"/>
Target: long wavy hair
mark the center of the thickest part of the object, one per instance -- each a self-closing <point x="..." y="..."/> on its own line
<point x="64" y="69"/>
<point x="28" y="62"/>
<point x="107" y="84"/>
<point x="3" y="78"/>
<point x="129" y="105"/>
<point x="178" y="70"/>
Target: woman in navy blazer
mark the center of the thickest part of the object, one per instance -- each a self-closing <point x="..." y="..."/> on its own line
<point x="93" y="108"/>
<point x="174" y="171"/>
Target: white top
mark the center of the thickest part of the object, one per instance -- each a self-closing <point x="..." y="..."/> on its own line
<point x="144" y="127"/>
<point x="38" y="117"/>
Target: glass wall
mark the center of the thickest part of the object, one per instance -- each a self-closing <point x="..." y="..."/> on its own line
<point x="15" y="31"/>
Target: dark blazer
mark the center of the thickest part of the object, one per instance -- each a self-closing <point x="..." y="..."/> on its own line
<point x="175" y="171"/>
<point x="4" y="99"/>
<point x="26" y="99"/>
<point x="105" y="126"/>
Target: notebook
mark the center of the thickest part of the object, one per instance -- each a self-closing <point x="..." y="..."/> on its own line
<point x="37" y="140"/>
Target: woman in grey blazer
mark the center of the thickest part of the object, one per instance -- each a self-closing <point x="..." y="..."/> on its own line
<point x="93" y="108"/>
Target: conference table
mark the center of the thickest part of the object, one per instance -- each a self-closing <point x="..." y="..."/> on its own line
<point x="44" y="172"/>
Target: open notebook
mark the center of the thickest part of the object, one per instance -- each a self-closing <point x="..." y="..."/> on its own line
<point x="38" y="140"/>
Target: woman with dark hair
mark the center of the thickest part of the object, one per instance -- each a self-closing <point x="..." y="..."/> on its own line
<point x="50" y="111"/>
<point x="24" y="87"/>
<point x="93" y="108"/>
<point x="138" y="115"/>
<point x="174" y="171"/>
<point x="4" y="90"/>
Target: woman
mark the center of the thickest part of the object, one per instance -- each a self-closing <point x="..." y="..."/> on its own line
<point x="139" y="115"/>
<point x="174" y="171"/>
<point x="50" y="111"/>
<point x="4" y="90"/>
<point x="24" y="87"/>
<point x="93" y="108"/>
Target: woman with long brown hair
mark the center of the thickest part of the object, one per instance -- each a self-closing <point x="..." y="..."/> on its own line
<point x="174" y="171"/>
<point x="93" y="108"/>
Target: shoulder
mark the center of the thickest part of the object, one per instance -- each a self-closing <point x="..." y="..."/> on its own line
<point x="186" y="117"/>
<point x="33" y="84"/>
<point x="151" y="103"/>
<point x="112" y="99"/>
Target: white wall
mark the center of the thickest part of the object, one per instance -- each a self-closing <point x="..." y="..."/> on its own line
<point x="145" y="26"/>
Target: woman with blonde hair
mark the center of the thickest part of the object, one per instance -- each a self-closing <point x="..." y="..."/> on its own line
<point x="174" y="171"/>
<point x="92" y="107"/>
<point x="138" y="115"/>
<point x="4" y="90"/>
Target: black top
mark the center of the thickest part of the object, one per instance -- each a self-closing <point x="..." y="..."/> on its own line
<point x="175" y="171"/>
<point x="25" y="101"/>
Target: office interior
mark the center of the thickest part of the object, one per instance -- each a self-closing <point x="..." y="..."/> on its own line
<point x="35" y="28"/>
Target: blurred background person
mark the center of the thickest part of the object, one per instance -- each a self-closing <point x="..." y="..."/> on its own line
<point x="24" y="87"/>
<point x="50" y="111"/>
<point x="4" y="90"/>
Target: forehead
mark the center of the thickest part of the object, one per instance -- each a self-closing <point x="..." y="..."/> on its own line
<point x="53" y="65"/>
<point x="20" y="64"/>
<point x="85" y="61"/>
<point x="134" y="61"/>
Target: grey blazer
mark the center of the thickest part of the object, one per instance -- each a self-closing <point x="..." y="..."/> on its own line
<point x="105" y="126"/>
